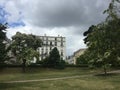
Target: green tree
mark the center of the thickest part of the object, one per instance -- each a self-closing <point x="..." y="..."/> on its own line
<point x="3" y="53"/>
<point x="103" y="40"/>
<point x="113" y="25"/>
<point x="83" y="59"/>
<point x="54" y="58"/>
<point x="24" y="47"/>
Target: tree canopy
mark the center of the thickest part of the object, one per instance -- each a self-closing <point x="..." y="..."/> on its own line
<point x="103" y="40"/>
<point x="25" y="46"/>
<point x="54" y="60"/>
<point x="3" y="53"/>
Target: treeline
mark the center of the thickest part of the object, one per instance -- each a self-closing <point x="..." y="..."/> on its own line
<point x="23" y="48"/>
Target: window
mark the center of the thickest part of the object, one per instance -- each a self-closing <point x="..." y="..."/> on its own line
<point x="46" y="38"/>
<point x="42" y="52"/>
<point x="50" y="48"/>
<point x="42" y="38"/>
<point x="46" y="43"/>
<point x="55" y="43"/>
<point x="55" y="39"/>
<point x="46" y="50"/>
<point x="61" y="53"/>
<point x="50" y="43"/>
<point x="61" y="43"/>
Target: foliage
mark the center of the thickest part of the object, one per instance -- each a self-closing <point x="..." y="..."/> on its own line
<point x="3" y="53"/>
<point x="82" y="59"/>
<point x="61" y="64"/>
<point x="25" y="47"/>
<point x="103" y="40"/>
<point x="45" y="62"/>
<point x="53" y="60"/>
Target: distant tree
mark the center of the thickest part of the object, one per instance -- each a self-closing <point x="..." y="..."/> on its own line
<point x="54" y="60"/>
<point x="45" y="62"/>
<point x="82" y="60"/>
<point x="24" y="47"/>
<point x="3" y="53"/>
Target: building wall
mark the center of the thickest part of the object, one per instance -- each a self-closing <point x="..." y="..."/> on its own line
<point x="72" y="59"/>
<point x="77" y="54"/>
<point x="49" y="42"/>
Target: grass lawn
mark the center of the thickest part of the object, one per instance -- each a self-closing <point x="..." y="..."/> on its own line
<point x="88" y="82"/>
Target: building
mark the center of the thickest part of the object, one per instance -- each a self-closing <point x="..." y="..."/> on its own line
<point x="77" y="54"/>
<point x="49" y="42"/>
<point x="72" y="59"/>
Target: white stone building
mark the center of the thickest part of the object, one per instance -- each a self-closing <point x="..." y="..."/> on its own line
<point x="49" y="42"/>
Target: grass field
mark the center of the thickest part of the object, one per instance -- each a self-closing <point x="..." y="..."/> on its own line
<point x="87" y="81"/>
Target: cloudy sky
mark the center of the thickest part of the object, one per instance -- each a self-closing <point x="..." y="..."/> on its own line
<point x="68" y="18"/>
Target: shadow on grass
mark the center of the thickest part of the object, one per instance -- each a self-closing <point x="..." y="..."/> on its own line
<point x="5" y="86"/>
<point x="16" y="86"/>
<point x="108" y="74"/>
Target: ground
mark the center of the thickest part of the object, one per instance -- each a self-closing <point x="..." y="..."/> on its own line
<point x="51" y="79"/>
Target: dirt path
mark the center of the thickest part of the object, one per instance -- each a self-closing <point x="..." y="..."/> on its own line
<point x="115" y="71"/>
<point x="60" y="78"/>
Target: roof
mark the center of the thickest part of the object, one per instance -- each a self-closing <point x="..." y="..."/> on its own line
<point x="79" y="50"/>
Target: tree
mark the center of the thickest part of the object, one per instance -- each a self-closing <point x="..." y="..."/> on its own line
<point x="103" y="40"/>
<point x="24" y="47"/>
<point x="54" y="60"/>
<point x="83" y="59"/>
<point x="3" y="53"/>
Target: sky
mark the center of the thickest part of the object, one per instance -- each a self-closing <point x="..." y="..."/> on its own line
<point x="67" y="18"/>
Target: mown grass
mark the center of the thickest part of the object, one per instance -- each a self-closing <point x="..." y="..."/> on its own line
<point x="40" y="73"/>
<point x="88" y="82"/>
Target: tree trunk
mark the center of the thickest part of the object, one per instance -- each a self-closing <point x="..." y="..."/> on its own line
<point x="24" y="65"/>
<point x="105" y="70"/>
<point x="23" y="69"/>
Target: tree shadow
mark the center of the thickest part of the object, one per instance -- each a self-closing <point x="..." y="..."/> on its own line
<point x="108" y="74"/>
<point x="5" y="86"/>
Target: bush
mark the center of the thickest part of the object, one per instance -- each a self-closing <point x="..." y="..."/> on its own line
<point x="80" y="65"/>
<point x="61" y="65"/>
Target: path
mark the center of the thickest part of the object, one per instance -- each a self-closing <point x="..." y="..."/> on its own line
<point x="60" y="78"/>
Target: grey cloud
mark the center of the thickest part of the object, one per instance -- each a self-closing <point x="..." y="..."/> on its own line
<point x="62" y="13"/>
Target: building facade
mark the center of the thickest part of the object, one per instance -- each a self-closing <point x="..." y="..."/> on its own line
<point x="49" y="42"/>
<point x="77" y="54"/>
<point x="72" y="59"/>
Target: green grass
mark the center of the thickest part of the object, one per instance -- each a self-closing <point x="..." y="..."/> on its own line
<point x="40" y="73"/>
<point x="89" y="82"/>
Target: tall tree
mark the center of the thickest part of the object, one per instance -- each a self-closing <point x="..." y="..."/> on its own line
<point x="24" y="47"/>
<point x="103" y="40"/>
<point x="3" y="53"/>
<point x="54" y="58"/>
